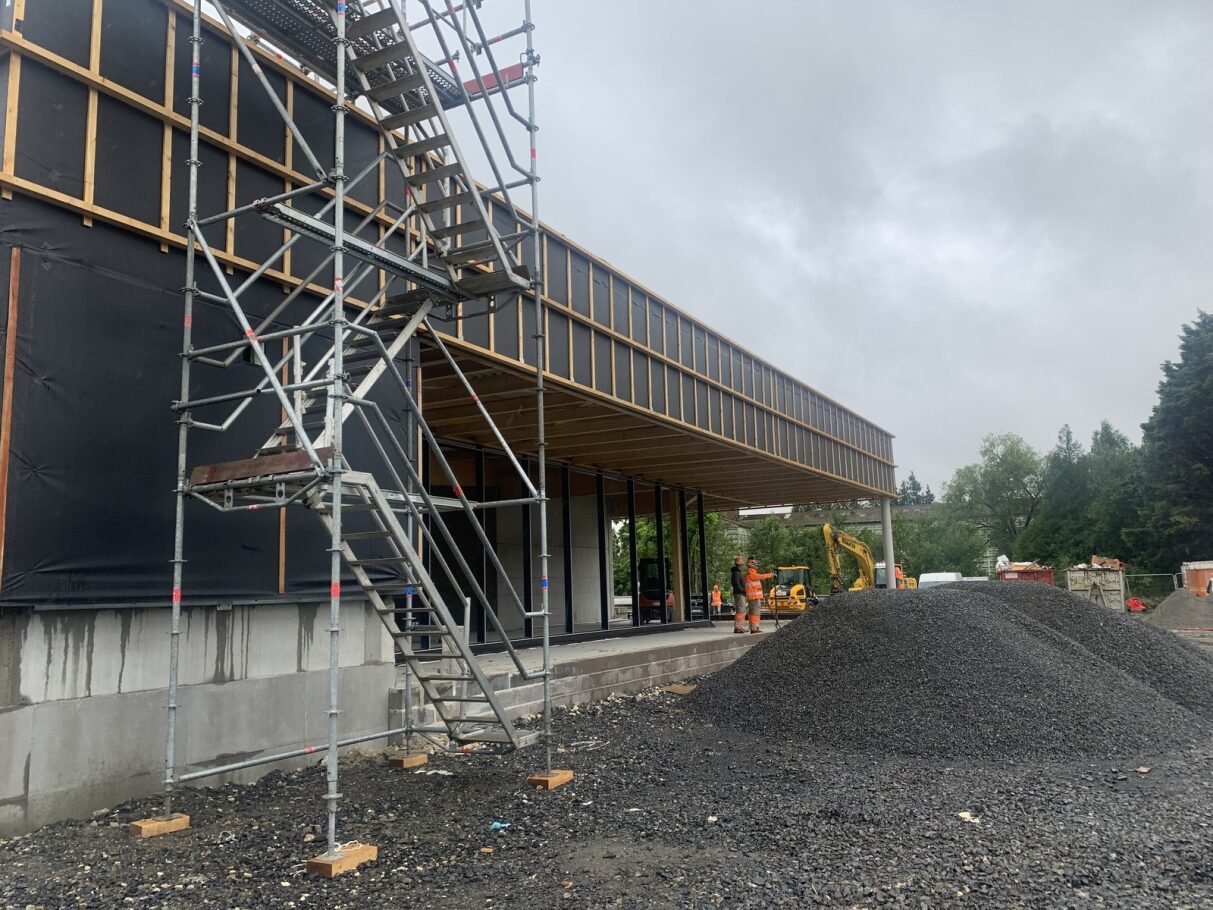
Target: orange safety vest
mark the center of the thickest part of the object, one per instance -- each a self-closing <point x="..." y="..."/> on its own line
<point x="716" y="601"/>
<point x="753" y="584"/>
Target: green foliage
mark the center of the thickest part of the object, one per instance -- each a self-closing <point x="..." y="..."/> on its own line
<point x="937" y="542"/>
<point x="719" y="557"/>
<point x="913" y="493"/>
<point x="1000" y="494"/>
<point x="1176" y="520"/>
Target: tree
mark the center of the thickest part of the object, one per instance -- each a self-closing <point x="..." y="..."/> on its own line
<point x="912" y="493"/>
<point x="1115" y="493"/>
<point x="769" y="543"/>
<point x="1089" y="502"/>
<point x="1060" y="534"/>
<point x="719" y="557"/>
<point x="1177" y="457"/>
<point x="718" y="549"/>
<point x="1000" y="494"/>
<point x="937" y="542"/>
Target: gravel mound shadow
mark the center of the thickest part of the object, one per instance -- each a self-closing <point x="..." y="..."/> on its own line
<point x="1007" y="671"/>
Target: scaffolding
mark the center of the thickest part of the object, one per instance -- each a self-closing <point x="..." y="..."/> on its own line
<point x="335" y="371"/>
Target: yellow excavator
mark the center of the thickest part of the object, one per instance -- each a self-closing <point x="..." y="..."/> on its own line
<point x="872" y="574"/>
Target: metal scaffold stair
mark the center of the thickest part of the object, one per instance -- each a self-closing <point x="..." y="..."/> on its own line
<point x="338" y="367"/>
<point x="409" y="96"/>
<point x="413" y="612"/>
<point x="279" y="473"/>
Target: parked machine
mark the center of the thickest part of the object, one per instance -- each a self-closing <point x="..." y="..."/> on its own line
<point x="791" y="590"/>
<point x="650" y="599"/>
<point x="872" y="574"/>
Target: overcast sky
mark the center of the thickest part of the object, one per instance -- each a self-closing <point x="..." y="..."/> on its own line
<point x="958" y="218"/>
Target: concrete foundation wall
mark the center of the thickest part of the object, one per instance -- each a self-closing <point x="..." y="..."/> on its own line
<point x="82" y="698"/>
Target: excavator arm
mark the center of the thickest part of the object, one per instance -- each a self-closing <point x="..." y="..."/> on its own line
<point x="836" y="540"/>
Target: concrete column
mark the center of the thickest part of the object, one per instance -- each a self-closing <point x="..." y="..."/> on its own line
<point x="886" y="527"/>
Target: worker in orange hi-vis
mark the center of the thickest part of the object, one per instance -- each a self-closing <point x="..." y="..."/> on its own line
<point x="753" y="595"/>
<point x="716" y="600"/>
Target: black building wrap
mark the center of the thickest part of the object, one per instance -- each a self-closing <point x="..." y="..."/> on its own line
<point x="94" y="439"/>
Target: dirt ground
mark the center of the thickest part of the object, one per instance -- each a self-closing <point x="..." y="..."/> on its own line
<point x="666" y="812"/>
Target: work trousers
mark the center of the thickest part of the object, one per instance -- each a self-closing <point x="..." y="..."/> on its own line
<point x="754" y="612"/>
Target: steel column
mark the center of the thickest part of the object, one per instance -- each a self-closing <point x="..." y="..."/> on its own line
<point x="336" y="408"/>
<point x="479" y="620"/>
<point x="633" y="572"/>
<point x="703" y="555"/>
<point x="528" y="569"/>
<point x="886" y="529"/>
<point x="659" y="521"/>
<point x="606" y="586"/>
<point x="683" y="544"/>
<point x="183" y="420"/>
<point x="566" y="512"/>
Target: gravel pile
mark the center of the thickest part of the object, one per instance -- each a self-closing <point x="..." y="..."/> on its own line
<point x="1002" y="672"/>
<point x="1183" y="610"/>
<point x="1173" y="667"/>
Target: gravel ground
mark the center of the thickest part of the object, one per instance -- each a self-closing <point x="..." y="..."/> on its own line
<point x="1023" y="671"/>
<point x="670" y="809"/>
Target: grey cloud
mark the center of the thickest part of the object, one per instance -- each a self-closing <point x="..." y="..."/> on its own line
<point x="957" y="218"/>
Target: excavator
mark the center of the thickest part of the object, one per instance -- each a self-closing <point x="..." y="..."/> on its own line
<point x="872" y="574"/>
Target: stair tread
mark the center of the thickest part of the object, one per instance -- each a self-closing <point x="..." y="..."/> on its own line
<point x="396" y="87"/>
<point x="360" y="28"/>
<point x="381" y="57"/>
<point x="409" y="117"/>
<point x="422" y="146"/>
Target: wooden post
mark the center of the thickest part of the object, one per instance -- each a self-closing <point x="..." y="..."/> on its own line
<point x="10" y="369"/>
<point x="90" y="117"/>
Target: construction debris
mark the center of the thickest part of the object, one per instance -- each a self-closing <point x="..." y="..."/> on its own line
<point x="1000" y="672"/>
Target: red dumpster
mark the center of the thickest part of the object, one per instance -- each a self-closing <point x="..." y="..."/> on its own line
<point x="1026" y="572"/>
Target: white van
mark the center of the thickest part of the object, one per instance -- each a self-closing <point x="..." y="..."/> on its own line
<point x="931" y="579"/>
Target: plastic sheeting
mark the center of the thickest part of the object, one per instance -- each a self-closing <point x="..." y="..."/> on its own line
<point x="93" y="456"/>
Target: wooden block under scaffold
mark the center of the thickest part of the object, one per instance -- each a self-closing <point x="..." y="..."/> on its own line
<point x="415" y="760"/>
<point x="152" y="827"/>
<point x="348" y="858"/>
<point x="550" y="780"/>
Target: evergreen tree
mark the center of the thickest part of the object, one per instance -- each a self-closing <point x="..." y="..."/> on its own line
<point x="1177" y="457"/>
<point x="912" y="493"/>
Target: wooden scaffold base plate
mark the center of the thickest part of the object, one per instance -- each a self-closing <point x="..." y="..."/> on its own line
<point x="415" y="760"/>
<point x="348" y="858"/>
<point x="551" y="779"/>
<point x="153" y="827"/>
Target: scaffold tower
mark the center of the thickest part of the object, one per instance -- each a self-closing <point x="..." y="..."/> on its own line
<point x="335" y="358"/>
